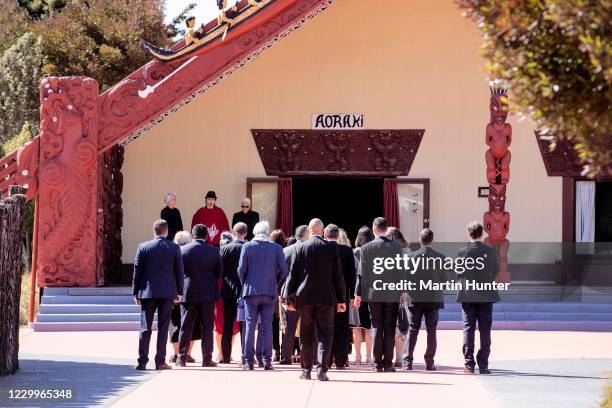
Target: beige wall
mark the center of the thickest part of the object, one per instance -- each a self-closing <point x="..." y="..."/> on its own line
<point x="410" y="64"/>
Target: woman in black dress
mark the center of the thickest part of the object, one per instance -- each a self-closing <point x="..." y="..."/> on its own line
<point x="362" y="323"/>
<point x="172" y="216"/>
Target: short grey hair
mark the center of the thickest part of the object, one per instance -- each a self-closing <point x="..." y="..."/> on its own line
<point x="301" y="231"/>
<point x="240" y="228"/>
<point x="332" y="231"/>
<point x="226" y="238"/>
<point x="182" y="237"/>
<point x="169" y="194"/>
<point x="262" y="227"/>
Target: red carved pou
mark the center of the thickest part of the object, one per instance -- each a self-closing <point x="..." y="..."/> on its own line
<point x="68" y="182"/>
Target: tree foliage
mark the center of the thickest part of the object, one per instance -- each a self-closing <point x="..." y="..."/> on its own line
<point x="20" y="73"/>
<point x="556" y="56"/>
<point x="100" y="38"/>
<point x="38" y="9"/>
<point x="13" y="23"/>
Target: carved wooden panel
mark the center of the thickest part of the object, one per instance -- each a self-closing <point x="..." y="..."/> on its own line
<point x="151" y="93"/>
<point x="286" y="152"/>
<point x="68" y="182"/>
<point x="562" y="161"/>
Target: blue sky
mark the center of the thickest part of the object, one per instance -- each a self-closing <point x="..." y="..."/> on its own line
<point x="205" y="10"/>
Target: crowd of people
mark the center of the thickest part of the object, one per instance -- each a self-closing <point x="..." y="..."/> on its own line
<point x="212" y="283"/>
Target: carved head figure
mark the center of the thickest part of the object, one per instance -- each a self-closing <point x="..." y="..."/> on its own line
<point x="499" y="102"/>
<point x="497" y="197"/>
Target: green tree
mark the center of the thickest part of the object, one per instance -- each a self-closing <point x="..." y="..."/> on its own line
<point x="13" y="23"/>
<point x="101" y="38"/>
<point x="556" y="56"/>
<point x="38" y="9"/>
<point x="20" y="74"/>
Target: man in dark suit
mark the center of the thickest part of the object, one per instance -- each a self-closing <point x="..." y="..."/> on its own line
<point x="316" y="288"/>
<point x="477" y="305"/>
<point x="425" y="303"/>
<point x="231" y="288"/>
<point x="157" y="282"/>
<point x="340" y="340"/>
<point x="382" y="314"/>
<point x="261" y="268"/>
<point x="203" y="267"/>
<point x="291" y="317"/>
<point x="246" y="215"/>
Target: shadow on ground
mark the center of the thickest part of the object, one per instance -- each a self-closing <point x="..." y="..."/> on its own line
<point x="92" y="383"/>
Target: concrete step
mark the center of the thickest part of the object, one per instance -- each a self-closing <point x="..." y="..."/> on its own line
<point x="88" y="326"/>
<point x="91" y="317"/>
<point x="86" y="308"/>
<point x="541" y="325"/>
<point x="520" y="316"/>
<point x="97" y="299"/>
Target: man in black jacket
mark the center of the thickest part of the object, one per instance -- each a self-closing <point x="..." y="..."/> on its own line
<point x="383" y="314"/>
<point x="316" y="287"/>
<point x="425" y="303"/>
<point x="203" y="267"/>
<point x="341" y="320"/>
<point x="231" y="288"/>
<point x="247" y="216"/>
<point x="477" y="305"/>
<point x="157" y="282"/>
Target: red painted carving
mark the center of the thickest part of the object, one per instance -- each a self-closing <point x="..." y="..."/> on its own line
<point x="157" y="87"/>
<point x="285" y="152"/>
<point x="68" y="181"/>
<point x="498" y="137"/>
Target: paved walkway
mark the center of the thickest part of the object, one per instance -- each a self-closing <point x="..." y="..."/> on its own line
<point x="533" y="369"/>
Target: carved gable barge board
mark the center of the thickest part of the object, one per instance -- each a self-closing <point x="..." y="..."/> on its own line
<point x="124" y="115"/>
<point x="372" y="152"/>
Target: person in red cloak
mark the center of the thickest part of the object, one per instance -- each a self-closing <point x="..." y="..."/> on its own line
<point x="216" y="222"/>
<point x="213" y="217"/>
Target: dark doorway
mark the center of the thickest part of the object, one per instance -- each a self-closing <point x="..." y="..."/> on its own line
<point x="603" y="211"/>
<point x="347" y="202"/>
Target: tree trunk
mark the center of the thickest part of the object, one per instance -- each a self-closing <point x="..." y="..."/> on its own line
<point x="12" y="215"/>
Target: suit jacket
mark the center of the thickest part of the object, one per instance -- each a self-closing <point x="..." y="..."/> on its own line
<point x="289" y="252"/>
<point x="349" y="270"/>
<point x="315" y="277"/>
<point x="261" y="268"/>
<point x="381" y="246"/>
<point x="158" y="270"/>
<point x="487" y="274"/>
<point x="203" y="268"/>
<point x="428" y="299"/>
<point x="230" y="255"/>
<point x="250" y="219"/>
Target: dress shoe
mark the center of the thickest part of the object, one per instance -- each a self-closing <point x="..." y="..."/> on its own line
<point x="276" y="356"/>
<point x="173" y="358"/>
<point x="209" y="364"/>
<point x="340" y="367"/>
<point x="407" y="366"/>
<point x="189" y="359"/>
<point x="284" y="361"/>
<point x="141" y="367"/>
<point x="378" y="369"/>
<point x="321" y="376"/>
<point x="248" y="367"/>
<point x="389" y="369"/>
<point x="163" y="366"/>
<point x="430" y="367"/>
<point x="305" y="375"/>
<point x="260" y="364"/>
<point x="268" y="367"/>
<point x="397" y="364"/>
<point x="180" y="363"/>
<point x="468" y="370"/>
<point x="484" y="371"/>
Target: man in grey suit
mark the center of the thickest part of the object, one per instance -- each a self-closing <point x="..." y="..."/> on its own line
<point x="157" y="282"/>
<point x="203" y="268"/>
<point x="290" y="317"/>
<point x="425" y="303"/>
<point x="261" y="267"/>
<point x="477" y="305"/>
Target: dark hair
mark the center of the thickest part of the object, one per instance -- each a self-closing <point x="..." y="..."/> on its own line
<point x="220" y="4"/>
<point x="292" y="240"/>
<point x="426" y="236"/>
<point x="199" y="231"/>
<point x="475" y="229"/>
<point x="226" y="238"/>
<point x="380" y="223"/>
<point x="301" y="231"/>
<point x="364" y="235"/>
<point x="394" y="234"/>
<point x="160" y="227"/>
<point x="332" y="231"/>
<point x="188" y="19"/>
<point x="278" y="236"/>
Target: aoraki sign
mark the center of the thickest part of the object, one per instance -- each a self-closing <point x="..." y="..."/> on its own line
<point x="337" y="121"/>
